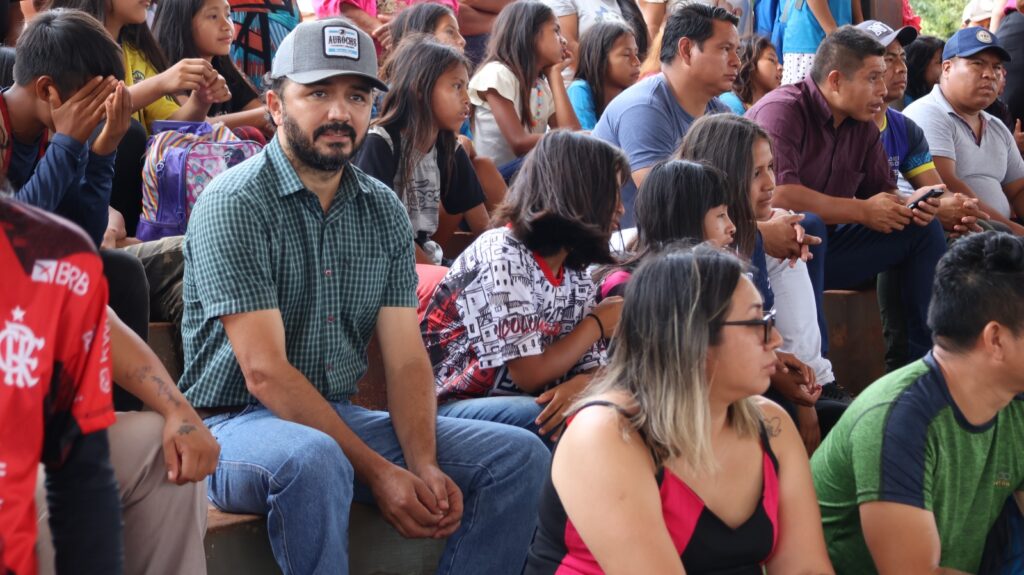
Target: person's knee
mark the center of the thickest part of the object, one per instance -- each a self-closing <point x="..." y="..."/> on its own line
<point x="814" y="225"/>
<point x="318" y="464"/>
<point x="528" y="456"/>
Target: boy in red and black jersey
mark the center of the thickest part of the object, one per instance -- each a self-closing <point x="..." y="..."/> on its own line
<point x="55" y="395"/>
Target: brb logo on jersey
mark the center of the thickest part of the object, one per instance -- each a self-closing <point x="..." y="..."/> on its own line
<point x="18" y="348"/>
<point x="61" y="274"/>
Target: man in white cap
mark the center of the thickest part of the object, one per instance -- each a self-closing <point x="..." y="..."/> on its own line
<point x="293" y="259"/>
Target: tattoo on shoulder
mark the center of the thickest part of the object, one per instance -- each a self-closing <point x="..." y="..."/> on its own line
<point x="186" y="428"/>
<point x="773" y="426"/>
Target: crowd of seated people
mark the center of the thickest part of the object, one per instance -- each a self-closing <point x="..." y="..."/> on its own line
<point x="598" y="298"/>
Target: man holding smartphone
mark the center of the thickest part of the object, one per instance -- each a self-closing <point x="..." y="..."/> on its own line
<point x="829" y="160"/>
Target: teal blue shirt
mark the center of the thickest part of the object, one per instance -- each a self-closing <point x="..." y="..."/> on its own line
<point x="258" y="240"/>
<point x="733" y="101"/>
<point x="582" y="100"/>
<point x="804" y="33"/>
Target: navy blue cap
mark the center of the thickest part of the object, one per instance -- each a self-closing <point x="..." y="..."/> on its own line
<point x="970" y="41"/>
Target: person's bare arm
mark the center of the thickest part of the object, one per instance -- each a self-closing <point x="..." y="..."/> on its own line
<point x="1015" y="194"/>
<point x="257" y="339"/>
<point x="520" y="140"/>
<point x="474" y="22"/>
<point x="654" y="16"/>
<point x="958" y="214"/>
<point x="190" y="451"/>
<point x="254" y="114"/>
<point x="946" y="168"/>
<point x="823" y="14"/>
<point x="185" y="76"/>
<point x="532" y="373"/>
<point x="413" y="407"/>
<point x="882" y="212"/>
<point x="595" y="461"/>
<point x="858" y="11"/>
<point x="801" y="546"/>
<point x="478" y="219"/>
<point x="565" y="114"/>
<point x="885" y="526"/>
<point x="489" y="6"/>
<point x="639" y="176"/>
<point x="361" y="18"/>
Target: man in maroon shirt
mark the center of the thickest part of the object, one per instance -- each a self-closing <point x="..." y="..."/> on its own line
<point x="829" y="160"/>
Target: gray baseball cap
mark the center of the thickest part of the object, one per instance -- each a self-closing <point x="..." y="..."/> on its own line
<point x="322" y="49"/>
<point x="885" y="34"/>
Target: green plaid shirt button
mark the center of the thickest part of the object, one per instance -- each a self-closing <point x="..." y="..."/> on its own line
<point x="257" y="240"/>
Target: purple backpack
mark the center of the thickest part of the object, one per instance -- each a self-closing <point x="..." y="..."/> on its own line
<point x="181" y="159"/>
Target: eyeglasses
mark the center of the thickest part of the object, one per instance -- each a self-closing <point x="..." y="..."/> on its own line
<point x="767" y="322"/>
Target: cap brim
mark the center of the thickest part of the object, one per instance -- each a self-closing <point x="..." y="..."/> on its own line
<point x="906" y="35"/>
<point x="997" y="49"/>
<point x="314" y="76"/>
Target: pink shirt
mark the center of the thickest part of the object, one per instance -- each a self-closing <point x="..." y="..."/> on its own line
<point x="328" y="8"/>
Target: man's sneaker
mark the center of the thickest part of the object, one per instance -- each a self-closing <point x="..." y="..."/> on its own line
<point x="835" y="392"/>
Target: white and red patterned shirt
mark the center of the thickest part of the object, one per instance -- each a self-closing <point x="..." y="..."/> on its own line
<point x="55" y="376"/>
<point x="499" y="302"/>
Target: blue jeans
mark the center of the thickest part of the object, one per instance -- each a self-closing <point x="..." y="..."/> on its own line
<point x="814" y="226"/>
<point x="301" y="480"/>
<point x="856" y="254"/>
<point x="516" y="410"/>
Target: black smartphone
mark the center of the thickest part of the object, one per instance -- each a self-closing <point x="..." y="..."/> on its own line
<point x="932" y="193"/>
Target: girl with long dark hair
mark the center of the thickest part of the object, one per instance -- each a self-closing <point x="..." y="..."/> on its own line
<point x="412" y="145"/>
<point x="742" y="149"/>
<point x="607" y="62"/>
<point x="203" y="29"/>
<point x="153" y="81"/>
<point x="518" y="91"/>
<point x="924" y="66"/>
<point x="679" y="201"/>
<point x="760" y="72"/>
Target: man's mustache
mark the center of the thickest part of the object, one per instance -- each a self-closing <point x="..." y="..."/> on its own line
<point x="338" y="127"/>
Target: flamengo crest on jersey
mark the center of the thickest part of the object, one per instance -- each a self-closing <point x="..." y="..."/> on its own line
<point x="18" y="348"/>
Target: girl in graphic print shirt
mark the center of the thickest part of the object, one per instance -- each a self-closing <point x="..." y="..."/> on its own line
<point x="511" y="330"/>
<point x="670" y="462"/>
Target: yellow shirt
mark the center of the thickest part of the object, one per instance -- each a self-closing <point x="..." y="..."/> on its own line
<point x="137" y="68"/>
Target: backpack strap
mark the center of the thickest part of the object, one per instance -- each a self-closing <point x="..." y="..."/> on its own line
<point x="790" y="4"/>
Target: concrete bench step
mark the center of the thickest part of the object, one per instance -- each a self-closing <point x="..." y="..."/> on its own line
<point x="237" y="543"/>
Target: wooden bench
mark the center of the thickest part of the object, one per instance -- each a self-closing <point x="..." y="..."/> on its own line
<point x="856" y="347"/>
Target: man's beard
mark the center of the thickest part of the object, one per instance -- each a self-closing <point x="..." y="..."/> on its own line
<point x="305" y="150"/>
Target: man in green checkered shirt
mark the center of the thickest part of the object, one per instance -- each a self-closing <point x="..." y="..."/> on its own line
<point x="293" y="259"/>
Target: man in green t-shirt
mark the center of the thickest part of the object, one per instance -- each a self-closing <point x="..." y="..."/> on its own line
<point x="914" y="475"/>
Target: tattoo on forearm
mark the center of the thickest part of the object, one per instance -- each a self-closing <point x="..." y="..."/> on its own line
<point x="774" y="426"/>
<point x="186" y="428"/>
<point x="163" y="387"/>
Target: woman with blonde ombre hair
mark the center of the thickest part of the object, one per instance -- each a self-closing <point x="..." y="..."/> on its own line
<point x="671" y="463"/>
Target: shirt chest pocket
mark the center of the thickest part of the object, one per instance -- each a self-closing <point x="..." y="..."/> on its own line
<point x="355" y="287"/>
